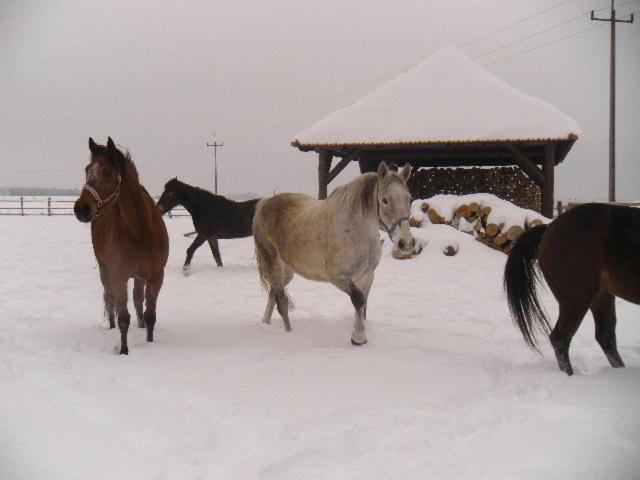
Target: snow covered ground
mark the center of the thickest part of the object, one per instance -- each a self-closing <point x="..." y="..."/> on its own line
<point x="445" y="389"/>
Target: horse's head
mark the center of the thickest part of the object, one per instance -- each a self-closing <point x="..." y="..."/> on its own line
<point x="103" y="178"/>
<point x="169" y="198"/>
<point x="394" y="203"/>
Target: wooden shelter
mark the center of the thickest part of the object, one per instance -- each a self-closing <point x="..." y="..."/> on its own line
<point x="445" y="112"/>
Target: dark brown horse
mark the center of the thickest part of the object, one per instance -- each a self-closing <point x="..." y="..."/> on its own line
<point x="588" y="256"/>
<point x="213" y="216"/>
<point x="128" y="235"/>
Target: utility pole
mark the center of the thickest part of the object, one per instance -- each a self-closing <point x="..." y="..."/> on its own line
<point x="215" y="146"/>
<point x="612" y="97"/>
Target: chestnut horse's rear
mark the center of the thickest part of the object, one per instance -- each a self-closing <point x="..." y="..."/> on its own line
<point x="588" y="256"/>
<point x="128" y="234"/>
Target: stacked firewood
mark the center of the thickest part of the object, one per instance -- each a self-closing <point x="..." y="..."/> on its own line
<point x="473" y="218"/>
<point x="508" y="183"/>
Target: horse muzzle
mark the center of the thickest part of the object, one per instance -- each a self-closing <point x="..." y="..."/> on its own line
<point x="406" y="246"/>
<point x="82" y="211"/>
<point x="160" y="209"/>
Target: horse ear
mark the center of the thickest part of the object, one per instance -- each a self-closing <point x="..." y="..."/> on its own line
<point x="93" y="146"/>
<point x="383" y="170"/>
<point x="110" y="144"/>
<point x="405" y="172"/>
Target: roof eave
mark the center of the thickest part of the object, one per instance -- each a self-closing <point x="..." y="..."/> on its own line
<point x="306" y="147"/>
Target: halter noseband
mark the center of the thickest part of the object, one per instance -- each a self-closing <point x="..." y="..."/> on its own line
<point x="393" y="226"/>
<point x="96" y="195"/>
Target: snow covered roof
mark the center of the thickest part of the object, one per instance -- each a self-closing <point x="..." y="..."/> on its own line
<point x="448" y="98"/>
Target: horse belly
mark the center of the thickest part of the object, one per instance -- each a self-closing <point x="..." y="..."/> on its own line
<point x="309" y="265"/>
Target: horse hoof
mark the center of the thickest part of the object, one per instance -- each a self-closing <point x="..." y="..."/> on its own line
<point x="185" y="270"/>
<point x="357" y="344"/>
<point x="615" y="360"/>
<point x="124" y="351"/>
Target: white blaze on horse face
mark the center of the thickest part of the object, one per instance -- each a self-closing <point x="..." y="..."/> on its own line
<point x="93" y="173"/>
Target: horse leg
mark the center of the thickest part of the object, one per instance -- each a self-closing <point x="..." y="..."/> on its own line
<point x="359" y="301"/>
<point x="603" y="308"/>
<point x="199" y="240"/>
<point x="138" y="299"/>
<point x="151" y="297"/>
<point x="109" y="302"/>
<point x="213" y="243"/>
<point x="281" y="275"/>
<point x="119" y="288"/>
<point x="269" y="310"/>
<point x="282" y="302"/>
<point x="569" y="319"/>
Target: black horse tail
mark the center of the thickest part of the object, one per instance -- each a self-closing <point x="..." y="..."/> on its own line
<point x="521" y="276"/>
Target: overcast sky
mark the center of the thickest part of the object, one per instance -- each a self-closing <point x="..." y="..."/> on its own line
<point x="161" y="77"/>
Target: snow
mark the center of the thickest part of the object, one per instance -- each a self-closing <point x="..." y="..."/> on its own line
<point x="446" y="98"/>
<point x="445" y="388"/>
<point x="502" y="211"/>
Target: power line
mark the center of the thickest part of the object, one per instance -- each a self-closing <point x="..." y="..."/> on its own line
<point x="543" y="45"/>
<point x="517" y="22"/>
<point x="540" y="32"/>
<point x="378" y="79"/>
<point x="553" y="27"/>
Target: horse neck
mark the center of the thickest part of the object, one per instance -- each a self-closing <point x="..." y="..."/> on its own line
<point x="354" y="195"/>
<point x="188" y="200"/>
<point x="132" y="206"/>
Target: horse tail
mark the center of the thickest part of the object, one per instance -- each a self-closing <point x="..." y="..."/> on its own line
<point x="264" y="256"/>
<point x="521" y="276"/>
<point x="265" y="263"/>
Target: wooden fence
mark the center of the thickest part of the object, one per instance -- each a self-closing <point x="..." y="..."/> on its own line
<point x="51" y="206"/>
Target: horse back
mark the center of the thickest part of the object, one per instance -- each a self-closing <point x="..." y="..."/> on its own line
<point x="226" y="218"/>
<point x="594" y="247"/>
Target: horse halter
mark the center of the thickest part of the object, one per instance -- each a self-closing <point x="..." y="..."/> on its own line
<point x="101" y="202"/>
<point x="393" y="226"/>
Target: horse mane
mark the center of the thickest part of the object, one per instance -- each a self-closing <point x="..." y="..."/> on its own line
<point x="360" y="193"/>
<point x="364" y="191"/>
<point x="122" y="160"/>
<point x="197" y="194"/>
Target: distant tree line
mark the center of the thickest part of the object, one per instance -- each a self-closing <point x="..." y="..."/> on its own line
<point x="38" y="191"/>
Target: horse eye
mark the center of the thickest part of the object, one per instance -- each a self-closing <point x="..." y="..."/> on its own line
<point x="385" y="201"/>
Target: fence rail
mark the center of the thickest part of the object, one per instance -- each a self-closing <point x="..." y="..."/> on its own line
<point x="51" y="206"/>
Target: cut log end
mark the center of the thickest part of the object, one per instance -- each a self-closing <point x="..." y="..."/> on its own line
<point x="451" y="250"/>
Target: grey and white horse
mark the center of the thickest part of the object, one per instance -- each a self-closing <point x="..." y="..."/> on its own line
<point x="334" y="240"/>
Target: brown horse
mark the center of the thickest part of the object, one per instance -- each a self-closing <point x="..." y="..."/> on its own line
<point x="128" y="234"/>
<point x="588" y="256"/>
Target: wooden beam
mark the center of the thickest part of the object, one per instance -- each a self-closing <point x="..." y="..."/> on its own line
<point x="528" y="166"/>
<point x="341" y="166"/>
<point x="324" y="165"/>
<point x="548" y="170"/>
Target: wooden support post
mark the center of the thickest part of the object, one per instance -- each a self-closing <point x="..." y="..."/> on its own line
<point x="49" y="206"/>
<point x="324" y="165"/>
<point x="22" y="206"/>
<point x="528" y="166"/>
<point x="341" y="166"/>
<point x="547" y="190"/>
